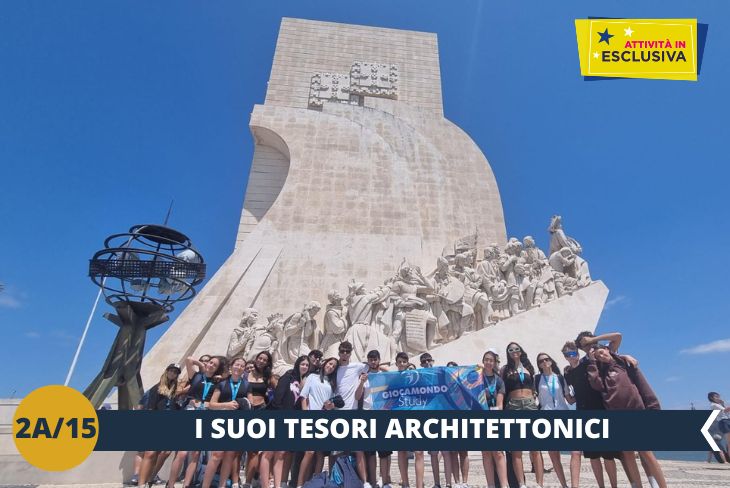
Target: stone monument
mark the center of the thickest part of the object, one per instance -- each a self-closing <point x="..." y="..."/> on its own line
<point x="355" y="169"/>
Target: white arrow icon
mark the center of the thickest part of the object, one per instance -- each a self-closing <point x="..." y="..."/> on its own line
<point x="706" y="430"/>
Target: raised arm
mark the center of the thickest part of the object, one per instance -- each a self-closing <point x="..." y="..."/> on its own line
<point x="190" y="363"/>
<point x="614" y="339"/>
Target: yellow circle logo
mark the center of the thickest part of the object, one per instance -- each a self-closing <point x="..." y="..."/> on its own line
<point x="55" y="428"/>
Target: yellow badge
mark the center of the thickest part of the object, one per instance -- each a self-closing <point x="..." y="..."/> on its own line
<point x="55" y="428"/>
<point x="638" y="48"/>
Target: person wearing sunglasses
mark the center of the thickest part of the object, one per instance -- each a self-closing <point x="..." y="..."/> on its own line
<point x="553" y="394"/>
<point x="348" y="381"/>
<point x="519" y="382"/>
<point x="586" y="398"/>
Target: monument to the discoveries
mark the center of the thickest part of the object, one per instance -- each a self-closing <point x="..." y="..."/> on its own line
<point x="371" y="217"/>
<point x="355" y="170"/>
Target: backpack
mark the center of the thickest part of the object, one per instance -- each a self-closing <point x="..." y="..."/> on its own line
<point x="320" y="480"/>
<point x="344" y="474"/>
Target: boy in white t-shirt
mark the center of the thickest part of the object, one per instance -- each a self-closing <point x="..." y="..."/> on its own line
<point x="348" y="380"/>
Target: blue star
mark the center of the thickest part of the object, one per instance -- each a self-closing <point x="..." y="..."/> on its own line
<point x="605" y="36"/>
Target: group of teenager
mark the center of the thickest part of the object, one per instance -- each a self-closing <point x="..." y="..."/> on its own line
<point x="601" y="379"/>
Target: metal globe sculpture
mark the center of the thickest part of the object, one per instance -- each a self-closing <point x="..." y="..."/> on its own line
<point x="149" y="264"/>
<point x="142" y="274"/>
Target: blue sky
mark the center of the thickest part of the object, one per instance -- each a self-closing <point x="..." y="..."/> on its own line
<point x="112" y="109"/>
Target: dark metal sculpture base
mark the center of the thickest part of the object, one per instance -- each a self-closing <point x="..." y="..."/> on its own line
<point x="122" y="365"/>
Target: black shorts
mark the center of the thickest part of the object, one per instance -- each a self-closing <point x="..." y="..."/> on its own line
<point x="602" y="454"/>
<point x="381" y="454"/>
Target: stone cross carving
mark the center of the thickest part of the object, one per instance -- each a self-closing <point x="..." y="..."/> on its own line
<point x="374" y="80"/>
<point x="364" y="79"/>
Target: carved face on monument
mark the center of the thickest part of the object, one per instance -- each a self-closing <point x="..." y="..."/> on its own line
<point x="312" y="309"/>
<point x="463" y="259"/>
<point x="334" y="297"/>
<point x="406" y="273"/>
<point x="249" y="317"/>
<point x="528" y="242"/>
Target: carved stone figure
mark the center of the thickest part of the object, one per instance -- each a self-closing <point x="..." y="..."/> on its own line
<point x="266" y="338"/>
<point x="571" y="271"/>
<point x="243" y="334"/>
<point x="540" y="271"/>
<point x="406" y="287"/>
<point x="454" y="316"/>
<point x="335" y="325"/>
<point x="300" y="333"/>
<point x="361" y="305"/>
<point x="474" y="294"/>
<point x="558" y="239"/>
<point x="494" y="284"/>
<point x="508" y="261"/>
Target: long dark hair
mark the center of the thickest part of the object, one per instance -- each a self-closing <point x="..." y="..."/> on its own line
<point x="332" y="377"/>
<point x="295" y="376"/>
<point x="553" y="366"/>
<point x="222" y="365"/>
<point x="510" y="367"/>
<point x="266" y="373"/>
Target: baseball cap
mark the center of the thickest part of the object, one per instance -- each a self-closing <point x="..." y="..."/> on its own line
<point x="174" y="366"/>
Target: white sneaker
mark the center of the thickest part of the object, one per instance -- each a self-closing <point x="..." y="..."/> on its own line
<point x="367" y="485"/>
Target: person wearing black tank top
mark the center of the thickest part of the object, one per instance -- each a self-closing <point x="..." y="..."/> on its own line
<point x="259" y="382"/>
<point x="224" y="397"/>
<point x="287" y="397"/>
<point x="202" y="384"/>
<point x="519" y="381"/>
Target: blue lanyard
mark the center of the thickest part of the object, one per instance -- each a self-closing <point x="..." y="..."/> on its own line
<point x="552" y="387"/>
<point x="234" y="391"/>
<point x="207" y="385"/>
<point x="521" y="372"/>
<point x="492" y="387"/>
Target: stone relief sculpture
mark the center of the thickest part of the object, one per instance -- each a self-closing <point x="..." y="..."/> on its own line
<point x="558" y="239"/>
<point x="335" y="325"/>
<point x="448" y="302"/>
<point x="243" y="334"/>
<point x="265" y="338"/>
<point x="365" y="79"/>
<point x="300" y="333"/>
<point x="474" y="293"/>
<point x="411" y="312"/>
<point x="414" y="326"/>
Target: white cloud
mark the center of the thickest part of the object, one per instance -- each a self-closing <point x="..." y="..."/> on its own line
<point x="722" y="345"/>
<point x="614" y="301"/>
<point x="672" y="379"/>
<point x="31" y="334"/>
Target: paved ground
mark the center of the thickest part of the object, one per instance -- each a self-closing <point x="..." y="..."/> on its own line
<point x="678" y="473"/>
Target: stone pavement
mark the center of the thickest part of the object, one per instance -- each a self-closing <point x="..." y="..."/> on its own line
<point x="679" y="474"/>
